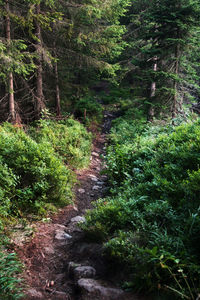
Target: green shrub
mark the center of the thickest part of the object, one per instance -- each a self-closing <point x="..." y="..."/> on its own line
<point x="151" y="223"/>
<point x="8" y="182"/>
<point x="68" y="138"/>
<point x="34" y="175"/>
<point x="33" y="178"/>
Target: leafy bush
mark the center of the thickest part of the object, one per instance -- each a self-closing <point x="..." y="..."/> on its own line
<point x="33" y="178"/>
<point x="31" y="173"/>
<point x="68" y="138"/>
<point x="8" y="182"/>
<point x="151" y="222"/>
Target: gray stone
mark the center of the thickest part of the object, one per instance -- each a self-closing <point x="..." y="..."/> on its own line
<point x="92" y="176"/>
<point x="81" y="191"/>
<point x="100" y="182"/>
<point x="84" y="272"/>
<point x="96" y="188"/>
<point x="94" y="179"/>
<point x="62" y="235"/>
<point x="60" y="227"/>
<point x="98" y="291"/>
<point x="34" y="294"/>
<point x="78" y="219"/>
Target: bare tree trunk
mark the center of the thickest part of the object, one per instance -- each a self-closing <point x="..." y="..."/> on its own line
<point x="174" y="102"/>
<point x="11" y="101"/>
<point x="39" y="82"/>
<point x="58" y="106"/>
<point x="151" y="111"/>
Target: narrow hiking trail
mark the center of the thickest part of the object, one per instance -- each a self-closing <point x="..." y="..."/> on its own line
<point x="59" y="262"/>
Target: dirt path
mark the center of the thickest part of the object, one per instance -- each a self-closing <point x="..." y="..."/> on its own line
<point x="58" y="258"/>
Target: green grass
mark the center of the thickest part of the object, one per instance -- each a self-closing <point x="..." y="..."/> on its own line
<point x="9" y="282"/>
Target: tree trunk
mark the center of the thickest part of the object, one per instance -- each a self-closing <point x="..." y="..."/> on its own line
<point x="11" y="101"/>
<point x="39" y="82"/>
<point x="174" y="103"/>
<point x="151" y="111"/>
<point x="58" y="107"/>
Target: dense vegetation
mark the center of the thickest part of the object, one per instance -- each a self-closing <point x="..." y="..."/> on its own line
<point x="59" y="59"/>
<point x="36" y="176"/>
<point x="150" y="223"/>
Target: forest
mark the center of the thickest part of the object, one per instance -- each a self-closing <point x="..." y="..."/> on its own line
<point x="63" y="63"/>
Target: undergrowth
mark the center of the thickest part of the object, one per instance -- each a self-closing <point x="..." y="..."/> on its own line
<point x="10" y="267"/>
<point x="69" y="139"/>
<point x="89" y="110"/>
<point x="36" y="177"/>
<point x="150" y="223"/>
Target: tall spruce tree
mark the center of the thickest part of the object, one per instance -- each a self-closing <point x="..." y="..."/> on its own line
<point x="174" y="25"/>
<point x="160" y="36"/>
<point x="15" y="60"/>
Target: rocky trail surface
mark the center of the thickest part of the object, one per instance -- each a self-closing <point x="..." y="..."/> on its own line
<point x="59" y="262"/>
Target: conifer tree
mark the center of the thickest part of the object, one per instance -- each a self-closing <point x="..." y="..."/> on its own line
<point x="160" y="34"/>
<point x="175" y="22"/>
<point x="15" y="60"/>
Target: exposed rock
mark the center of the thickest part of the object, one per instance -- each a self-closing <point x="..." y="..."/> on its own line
<point x="62" y="235"/>
<point x="97" y="161"/>
<point x="60" y="227"/>
<point x="84" y="272"/>
<point x="94" y="179"/>
<point x="96" y="188"/>
<point x="78" y="219"/>
<point x="92" y="176"/>
<point x="73" y="224"/>
<point x="49" y="250"/>
<point x="95" y="154"/>
<point x="60" y="296"/>
<point x="81" y="191"/>
<point x="33" y="294"/>
<point x="100" y="182"/>
<point x="96" y="290"/>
